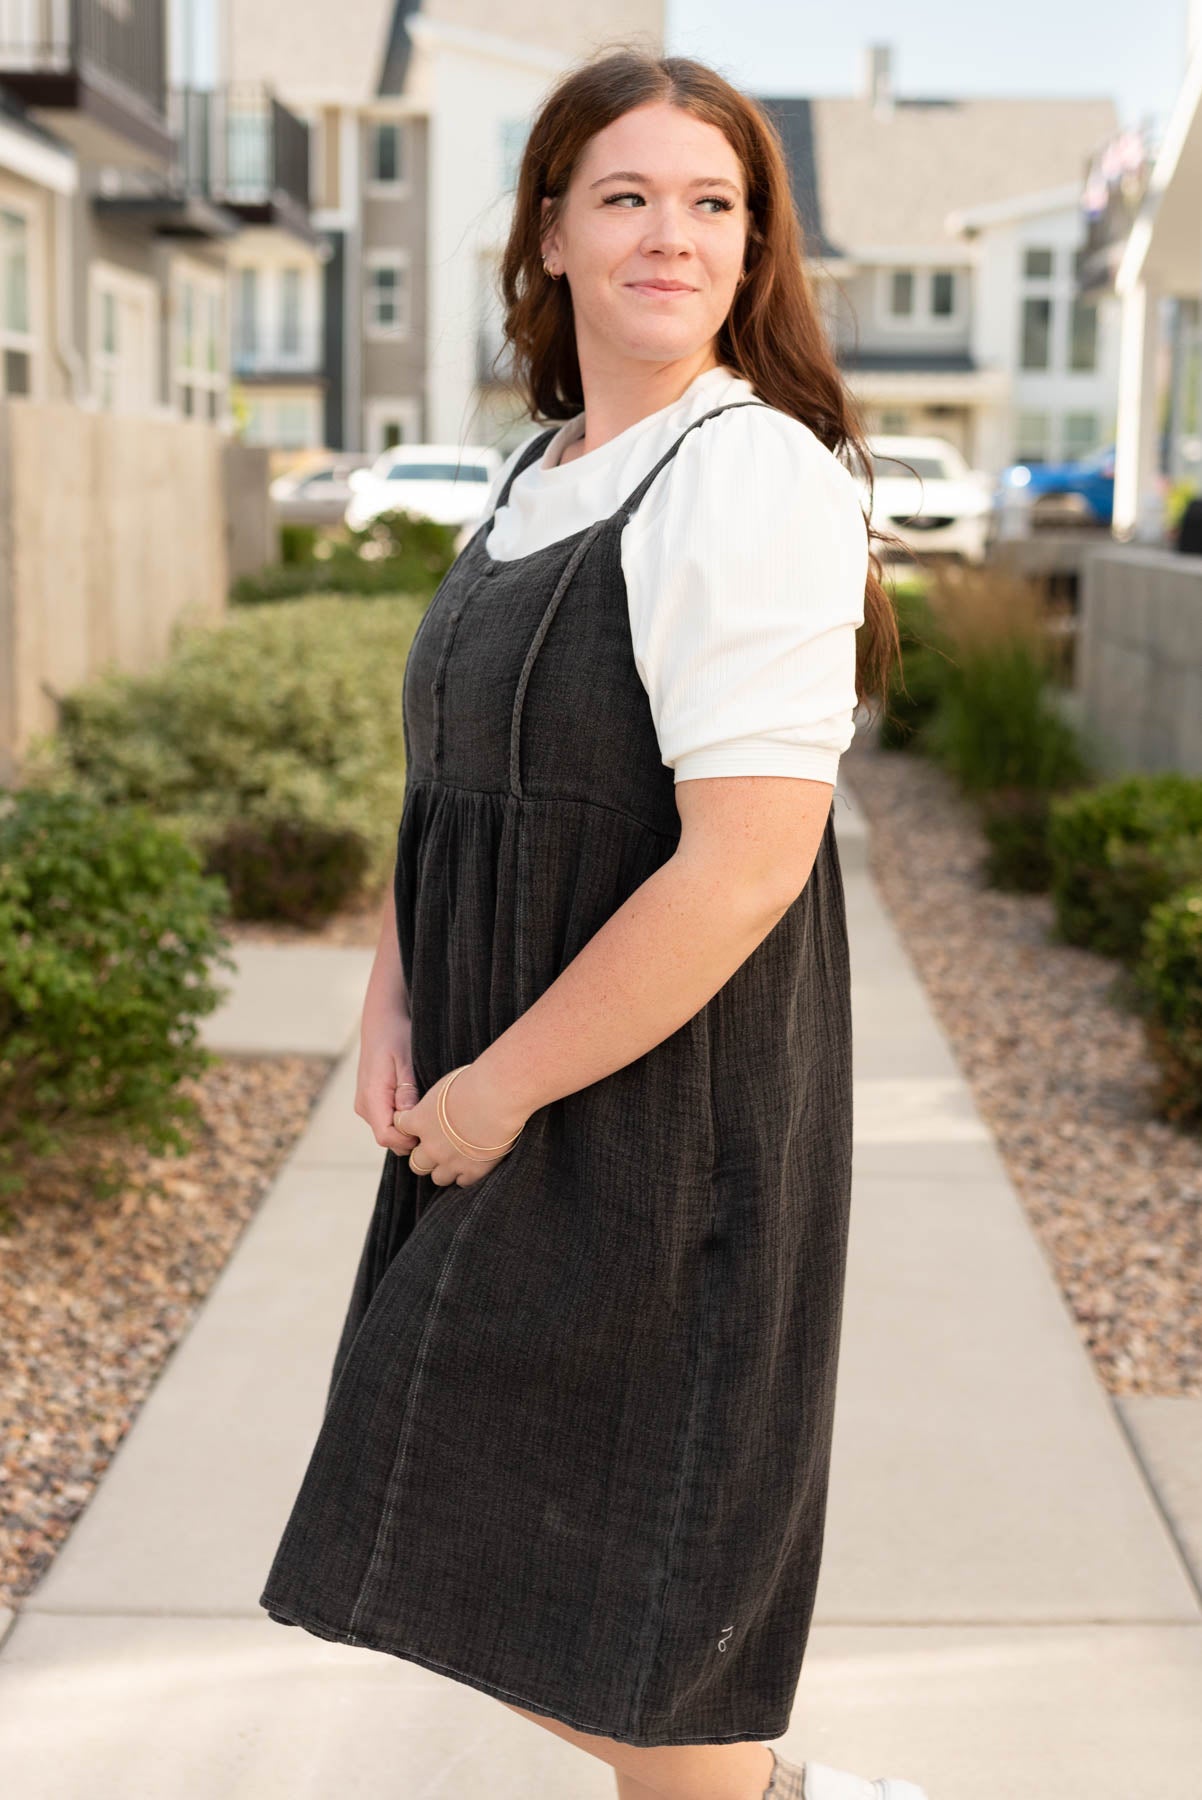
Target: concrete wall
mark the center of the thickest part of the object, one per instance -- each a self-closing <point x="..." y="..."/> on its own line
<point x="1139" y="658"/>
<point x="112" y="528"/>
<point x="252" y="533"/>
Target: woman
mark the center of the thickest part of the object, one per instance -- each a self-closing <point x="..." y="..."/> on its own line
<point x="576" y="1444"/>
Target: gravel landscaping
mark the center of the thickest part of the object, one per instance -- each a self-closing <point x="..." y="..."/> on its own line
<point x="94" y="1295"/>
<point x="1058" y="1071"/>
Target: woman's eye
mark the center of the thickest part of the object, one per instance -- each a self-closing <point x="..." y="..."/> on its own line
<point x="718" y="200"/>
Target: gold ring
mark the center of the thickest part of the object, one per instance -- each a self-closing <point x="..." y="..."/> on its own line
<point x="417" y="1168"/>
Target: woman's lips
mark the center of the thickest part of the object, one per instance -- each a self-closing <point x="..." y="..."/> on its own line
<point x="647" y="287"/>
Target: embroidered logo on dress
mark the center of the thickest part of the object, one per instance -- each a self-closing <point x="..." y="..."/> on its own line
<point x="726" y="1631"/>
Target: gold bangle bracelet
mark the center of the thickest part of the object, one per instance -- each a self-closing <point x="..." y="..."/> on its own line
<point x="473" y="1152"/>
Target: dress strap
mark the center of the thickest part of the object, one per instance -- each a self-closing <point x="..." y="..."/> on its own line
<point x="630" y="505"/>
<point x="530" y="451"/>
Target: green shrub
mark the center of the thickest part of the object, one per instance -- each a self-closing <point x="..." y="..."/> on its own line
<point x="296" y="542"/>
<point x="1116" y="850"/>
<point x="397" y="553"/>
<point x="285" y="713"/>
<point x="996" y="724"/>
<point x="107" y="928"/>
<point x="912" y="699"/>
<point x="1015" y="823"/>
<point x="914" y="682"/>
<point x="1169" y="975"/>
<point x="289" y="869"/>
<point x="299" y="581"/>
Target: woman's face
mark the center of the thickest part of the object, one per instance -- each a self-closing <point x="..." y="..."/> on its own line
<point x="657" y="196"/>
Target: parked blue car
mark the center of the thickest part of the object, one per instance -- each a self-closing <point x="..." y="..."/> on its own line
<point x="1084" y="487"/>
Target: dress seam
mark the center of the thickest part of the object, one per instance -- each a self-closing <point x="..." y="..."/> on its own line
<point x="394" y="1478"/>
<point x="504" y="794"/>
<point x="684" y="1471"/>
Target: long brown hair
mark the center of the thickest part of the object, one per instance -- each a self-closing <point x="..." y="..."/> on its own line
<point x="773" y="335"/>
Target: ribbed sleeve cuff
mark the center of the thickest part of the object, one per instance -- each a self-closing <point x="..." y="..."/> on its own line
<point x="810" y="761"/>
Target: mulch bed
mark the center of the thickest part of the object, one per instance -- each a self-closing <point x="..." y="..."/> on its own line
<point x="1058" y="1070"/>
<point x="95" y="1294"/>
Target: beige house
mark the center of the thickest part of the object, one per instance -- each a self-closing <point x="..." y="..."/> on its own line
<point x="38" y="179"/>
<point x="944" y="234"/>
<point x="418" y="113"/>
<point x="128" y="199"/>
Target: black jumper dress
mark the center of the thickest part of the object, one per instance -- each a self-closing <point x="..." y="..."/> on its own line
<point x="576" y="1443"/>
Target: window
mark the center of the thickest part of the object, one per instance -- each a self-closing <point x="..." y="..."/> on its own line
<point x="943" y="293"/>
<point x="246" y="330"/>
<point x="1039" y="264"/>
<point x="197" y="374"/>
<point x="123" y="338"/>
<point x="213" y="331"/>
<point x="290" y="311"/>
<point x="1080" y="434"/>
<point x="16" y="337"/>
<point x="1083" y="335"/>
<point x="106" y="362"/>
<point x="290" y="422"/>
<point x="901" y="293"/>
<point x="1032" y="437"/>
<point x="1036" y="333"/>
<point x="385" y="161"/>
<point x="386" y="296"/>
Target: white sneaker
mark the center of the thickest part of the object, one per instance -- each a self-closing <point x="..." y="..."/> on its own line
<point x="818" y="1781"/>
<point x="821" y="1782"/>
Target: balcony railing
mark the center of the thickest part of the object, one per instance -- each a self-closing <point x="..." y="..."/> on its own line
<point x="299" y="355"/>
<point x="121" y="48"/>
<point x="239" y="145"/>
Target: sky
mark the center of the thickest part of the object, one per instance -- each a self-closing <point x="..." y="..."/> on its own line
<point x="1132" y="54"/>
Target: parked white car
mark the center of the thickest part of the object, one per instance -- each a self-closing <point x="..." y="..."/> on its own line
<point x="445" y="482"/>
<point x="942" y="508"/>
<point x="317" y="493"/>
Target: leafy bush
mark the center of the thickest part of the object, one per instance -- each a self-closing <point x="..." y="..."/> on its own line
<point x="297" y="542"/>
<point x="289" y="869"/>
<point x="1015" y="823"/>
<point x="398" y="553"/>
<point x="1116" y="850"/>
<point x="914" y="683"/>
<point x="107" y="928"/>
<point x="286" y="713"/>
<point x="1169" y="974"/>
<point x="912" y="699"/>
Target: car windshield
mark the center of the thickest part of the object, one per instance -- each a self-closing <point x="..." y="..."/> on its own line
<point x="930" y="468"/>
<point x="448" y="471"/>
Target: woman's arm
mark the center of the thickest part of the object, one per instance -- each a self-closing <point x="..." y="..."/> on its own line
<point x="385" y="1078"/>
<point x="386" y="993"/>
<point x="747" y="846"/>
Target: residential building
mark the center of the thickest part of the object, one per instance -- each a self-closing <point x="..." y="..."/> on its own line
<point x="944" y="237"/>
<point x="418" y="111"/>
<point x="127" y="194"/>
<point x="38" y="178"/>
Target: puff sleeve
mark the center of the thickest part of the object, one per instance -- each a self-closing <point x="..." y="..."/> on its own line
<point x="745" y="571"/>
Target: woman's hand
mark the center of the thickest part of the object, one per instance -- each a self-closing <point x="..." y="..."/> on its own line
<point x="385" y="1079"/>
<point x="476" y="1115"/>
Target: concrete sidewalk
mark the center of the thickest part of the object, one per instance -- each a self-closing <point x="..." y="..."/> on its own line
<point x="1004" y="1613"/>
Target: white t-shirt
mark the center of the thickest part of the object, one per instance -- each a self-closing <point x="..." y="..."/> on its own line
<point x="745" y="565"/>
